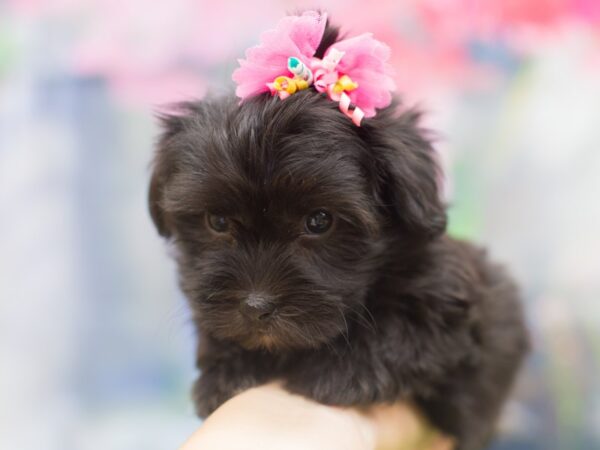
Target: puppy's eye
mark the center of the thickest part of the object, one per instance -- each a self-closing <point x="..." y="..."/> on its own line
<point x="318" y="222"/>
<point x="217" y="223"/>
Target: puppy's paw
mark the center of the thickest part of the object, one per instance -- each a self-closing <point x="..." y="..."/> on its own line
<point x="211" y="390"/>
<point x="335" y="385"/>
<point x="209" y="394"/>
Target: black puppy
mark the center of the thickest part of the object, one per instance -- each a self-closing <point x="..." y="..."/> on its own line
<point x="314" y="252"/>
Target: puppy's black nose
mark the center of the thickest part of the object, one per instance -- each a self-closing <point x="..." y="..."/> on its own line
<point x="257" y="307"/>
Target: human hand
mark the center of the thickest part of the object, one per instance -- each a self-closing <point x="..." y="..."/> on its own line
<point x="270" y="418"/>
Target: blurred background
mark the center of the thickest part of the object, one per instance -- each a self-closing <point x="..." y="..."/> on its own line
<point x="96" y="348"/>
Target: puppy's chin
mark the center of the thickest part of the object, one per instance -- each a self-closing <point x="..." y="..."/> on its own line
<point x="265" y="341"/>
<point x="280" y="335"/>
<point x="277" y="344"/>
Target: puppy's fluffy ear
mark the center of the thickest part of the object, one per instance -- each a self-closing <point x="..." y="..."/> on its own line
<point x="406" y="174"/>
<point x="163" y="167"/>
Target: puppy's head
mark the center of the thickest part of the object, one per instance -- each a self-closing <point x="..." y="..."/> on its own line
<point x="283" y="213"/>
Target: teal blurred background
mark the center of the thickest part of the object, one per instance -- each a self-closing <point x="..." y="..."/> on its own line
<point x="96" y="348"/>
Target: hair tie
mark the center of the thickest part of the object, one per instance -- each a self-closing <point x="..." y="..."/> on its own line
<point x="353" y="72"/>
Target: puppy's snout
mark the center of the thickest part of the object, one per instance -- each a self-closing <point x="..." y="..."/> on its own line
<point x="257" y="307"/>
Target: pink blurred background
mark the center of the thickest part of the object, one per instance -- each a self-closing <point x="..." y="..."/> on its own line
<point x="96" y="350"/>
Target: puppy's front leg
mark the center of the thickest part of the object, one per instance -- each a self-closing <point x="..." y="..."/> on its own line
<point x="226" y="370"/>
<point x="397" y="361"/>
<point x="340" y="375"/>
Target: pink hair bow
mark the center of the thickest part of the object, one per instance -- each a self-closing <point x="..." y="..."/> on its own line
<point x="353" y="72"/>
